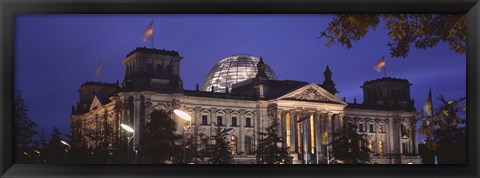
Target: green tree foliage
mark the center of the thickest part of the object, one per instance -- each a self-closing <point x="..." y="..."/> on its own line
<point x="219" y="152"/>
<point x="268" y="152"/>
<point x="24" y="131"/>
<point x="445" y="132"/>
<point x="160" y="142"/>
<point x="350" y="147"/>
<point x="404" y="30"/>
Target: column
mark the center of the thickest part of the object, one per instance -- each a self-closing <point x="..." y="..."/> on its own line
<point x="227" y="121"/>
<point x="197" y="119"/>
<point x="329" y="130"/>
<point x="228" y="118"/>
<point x="279" y="120"/>
<point x="376" y="147"/>
<point x="242" y="130"/>
<point x="283" y="130"/>
<point x="414" y="136"/>
<point x="196" y="123"/>
<point x="212" y="120"/>
<point x="293" y="131"/>
<point x="388" y="139"/>
<point x="341" y="121"/>
<point x="318" y="132"/>
<point x="136" y="122"/>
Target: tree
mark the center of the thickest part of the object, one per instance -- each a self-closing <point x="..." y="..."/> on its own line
<point x="160" y="142"/>
<point x="420" y="30"/>
<point x="445" y="132"/>
<point x="219" y="152"/>
<point x="40" y="147"/>
<point x="350" y="147"/>
<point x="268" y="152"/>
<point x="55" y="151"/>
<point x="24" y="130"/>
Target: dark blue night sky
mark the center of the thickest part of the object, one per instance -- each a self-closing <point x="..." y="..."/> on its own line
<point x="55" y="54"/>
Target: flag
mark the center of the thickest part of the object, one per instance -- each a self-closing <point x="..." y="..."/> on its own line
<point x="303" y="132"/>
<point x="380" y="65"/>
<point x="148" y="32"/>
<point x="304" y="118"/>
<point x="325" y="137"/>
<point x="428" y="106"/>
<point x="98" y="70"/>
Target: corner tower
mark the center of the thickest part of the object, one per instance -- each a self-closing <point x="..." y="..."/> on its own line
<point x="149" y="69"/>
<point x="390" y="93"/>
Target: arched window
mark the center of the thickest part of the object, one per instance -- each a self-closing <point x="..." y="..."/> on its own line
<point x="149" y="69"/>
<point x="249" y="145"/>
<point x="233" y="144"/>
<point x="158" y="70"/>
<point x="168" y="72"/>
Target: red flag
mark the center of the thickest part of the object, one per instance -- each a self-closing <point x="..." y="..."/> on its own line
<point x="380" y="65"/>
<point x="428" y="106"/>
<point x="148" y="32"/>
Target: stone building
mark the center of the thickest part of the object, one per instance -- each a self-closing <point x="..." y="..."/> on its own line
<point x="248" y="103"/>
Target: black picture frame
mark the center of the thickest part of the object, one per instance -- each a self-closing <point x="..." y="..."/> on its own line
<point x="9" y="8"/>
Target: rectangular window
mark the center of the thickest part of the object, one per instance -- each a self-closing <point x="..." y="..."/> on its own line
<point x="371" y="128"/>
<point x="380" y="147"/>
<point x="350" y="126"/>
<point x="248" y="122"/>
<point x="361" y="128"/>
<point x="234" y="121"/>
<point x="219" y="120"/>
<point x="380" y="129"/>
<point x="204" y="120"/>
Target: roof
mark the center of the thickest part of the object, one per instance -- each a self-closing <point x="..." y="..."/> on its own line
<point x="217" y="95"/>
<point x="91" y="83"/>
<point x="155" y="51"/>
<point x="386" y="79"/>
<point x="380" y="108"/>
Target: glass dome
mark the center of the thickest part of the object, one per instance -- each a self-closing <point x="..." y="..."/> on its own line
<point x="232" y="70"/>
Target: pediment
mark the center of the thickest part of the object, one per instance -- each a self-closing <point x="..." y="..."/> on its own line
<point x="312" y="92"/>
<point x="95" y="103"/>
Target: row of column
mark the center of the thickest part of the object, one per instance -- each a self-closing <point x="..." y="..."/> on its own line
<point x="322" y="121"/>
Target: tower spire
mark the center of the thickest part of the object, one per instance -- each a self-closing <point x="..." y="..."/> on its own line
<point x="328" y="83"/>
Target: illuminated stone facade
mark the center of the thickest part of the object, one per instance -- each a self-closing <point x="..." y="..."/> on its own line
<point x="387" y="118"/>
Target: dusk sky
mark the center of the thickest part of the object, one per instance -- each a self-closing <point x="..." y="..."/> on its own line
<point x="55" y="54"/>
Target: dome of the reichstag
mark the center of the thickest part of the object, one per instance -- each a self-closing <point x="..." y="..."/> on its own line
<point x="232" y="70"/>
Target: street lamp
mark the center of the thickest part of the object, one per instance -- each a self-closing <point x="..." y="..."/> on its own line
<point x="66" y="144"/>
<point x="128" y="129"/>
<point x="188" y="118"/>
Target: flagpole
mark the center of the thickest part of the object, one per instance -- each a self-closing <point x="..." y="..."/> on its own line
<point x="384" y="67"/>
<point x="152" y="33"/>
<point x="385" y="71"/>
<point x="304" y="143"/>
<point x="328" y="156"/>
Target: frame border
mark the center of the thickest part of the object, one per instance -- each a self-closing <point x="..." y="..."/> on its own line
<point x="9" y="8"/>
